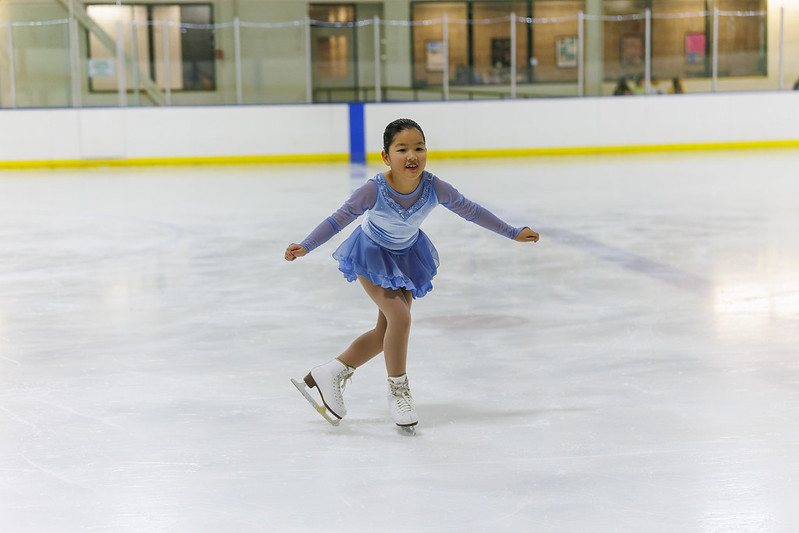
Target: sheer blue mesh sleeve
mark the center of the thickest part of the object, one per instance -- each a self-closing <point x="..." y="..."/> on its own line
<point x="362" y="199"/>
<point x="449" y="197"/>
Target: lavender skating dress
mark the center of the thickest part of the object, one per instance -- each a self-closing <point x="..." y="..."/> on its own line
<point x="388" y="248"/>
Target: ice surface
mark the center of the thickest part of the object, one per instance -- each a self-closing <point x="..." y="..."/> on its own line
<point x="634" y="371"/>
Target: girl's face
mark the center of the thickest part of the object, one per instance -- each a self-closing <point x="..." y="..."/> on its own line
<point x="407" y="157"/>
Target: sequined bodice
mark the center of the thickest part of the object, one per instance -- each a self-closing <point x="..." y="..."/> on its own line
<point x="392" y="226"/>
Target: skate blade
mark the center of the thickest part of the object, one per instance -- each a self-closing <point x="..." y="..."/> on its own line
<point x="321" y="409"/>
<point x="407" y="431"/>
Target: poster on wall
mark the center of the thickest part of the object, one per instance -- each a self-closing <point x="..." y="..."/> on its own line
<point x="500" y="52"/>
<point x="695" y="45"/>
<point x="566" y="51"/>
<point x="101" y="68"/>
<point x="632" y="50"/>
<point x="434" y="56"/>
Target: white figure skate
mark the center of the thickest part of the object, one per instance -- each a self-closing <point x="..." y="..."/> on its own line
<point x="329" y="380"/>
<point x="400" y="403"/>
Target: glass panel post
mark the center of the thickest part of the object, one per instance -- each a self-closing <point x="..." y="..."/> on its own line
<point x="134" y="62"/>
<point x="308" y="81"/>
<point x="378" y="89"/>
<point x="237" y="51"/>
<point x="715" y="52"/>
<point x="648" y="51"/>
<point x="121" y="66"/>
<point x="580" y="54"/>
<point x="74" y="53"/>
<point x="513" y="55"/>
<point x="782" y="48"/>
<point x="167" y="73"/>
<point x="11" y="68"/>
<point x="446" y="57"/>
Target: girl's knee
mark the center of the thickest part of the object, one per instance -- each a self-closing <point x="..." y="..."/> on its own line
<point x="400" y="319"/>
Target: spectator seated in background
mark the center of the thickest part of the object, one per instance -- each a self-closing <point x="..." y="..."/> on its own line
<point x="676" y="86"/>
<point x="622" y="88"/>
<point x="639" y="87"/>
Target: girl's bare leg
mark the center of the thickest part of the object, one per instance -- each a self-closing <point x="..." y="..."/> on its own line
<point x="390" y="334"/>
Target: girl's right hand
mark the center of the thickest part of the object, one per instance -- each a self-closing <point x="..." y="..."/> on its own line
<point x="294" y="251"/>
<point x="527" y="235"/>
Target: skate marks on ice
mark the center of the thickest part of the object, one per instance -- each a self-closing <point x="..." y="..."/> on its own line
<point x="441" y="415"/>
<point x="472" y="321"/>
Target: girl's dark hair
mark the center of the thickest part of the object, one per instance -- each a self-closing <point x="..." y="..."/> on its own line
<point x="401" y="124"/>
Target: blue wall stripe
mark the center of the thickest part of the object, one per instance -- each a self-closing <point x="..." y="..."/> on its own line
<point x="357" y="135"/>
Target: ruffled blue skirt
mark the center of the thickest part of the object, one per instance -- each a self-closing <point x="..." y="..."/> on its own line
<point x="412" y="268"/>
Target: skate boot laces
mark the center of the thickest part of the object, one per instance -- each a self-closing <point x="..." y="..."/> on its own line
<point x="401" y="394"/>
<point x="343" y="377"/>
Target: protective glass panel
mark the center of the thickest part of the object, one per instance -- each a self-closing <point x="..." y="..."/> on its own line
<point x="28" y="68"/>
<point x="555" y="40"/>
<point x="680" y="44"/>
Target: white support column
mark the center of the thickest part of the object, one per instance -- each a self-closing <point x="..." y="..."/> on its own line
<point x="444" y="24"/>
<point x="378" y="72"/>
<point x="122" y="82"/>
<point x="513" y="55"/>
<point x="237" y="51"/>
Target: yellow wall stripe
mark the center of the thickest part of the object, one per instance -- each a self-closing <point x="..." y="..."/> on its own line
<point x="593" y="150"/>
<point x="376" y="157"/>
<point x="169" y="161"/>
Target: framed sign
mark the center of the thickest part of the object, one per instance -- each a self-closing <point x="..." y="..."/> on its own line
<point x="631" y="52"/>
<point x="434" y="56"/>
<point x="695" y="46"/>
<point x="566" y="51"/>
<point x="500" y="52"/>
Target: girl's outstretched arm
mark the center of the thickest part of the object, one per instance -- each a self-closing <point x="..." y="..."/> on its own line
<point x="361" y="200"/>
<point x="527" y="235"/>
<point x="450" y="198"/>
<point x="294" y="251"/>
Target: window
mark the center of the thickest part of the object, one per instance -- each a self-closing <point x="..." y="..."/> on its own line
<point x="333" y="44"/>
<point x="680" y="41"/>
<point x="428" y="42"/>
<point x="546" y="51"/>
<point x="555" y="43"/>
<point x="173" y="45"/>
<point x="491" y="43"/>
<point x="742" y="37"/>
<point x="479" y="43"/>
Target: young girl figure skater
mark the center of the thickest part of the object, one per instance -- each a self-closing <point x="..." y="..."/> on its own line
<point x="393" y="260"/>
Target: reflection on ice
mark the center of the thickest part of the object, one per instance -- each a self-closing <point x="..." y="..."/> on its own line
<point x="747" y="308"/>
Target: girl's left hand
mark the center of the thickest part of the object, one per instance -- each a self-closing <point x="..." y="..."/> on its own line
<point x="527" y="235"/>
<point x="294" y="251"/>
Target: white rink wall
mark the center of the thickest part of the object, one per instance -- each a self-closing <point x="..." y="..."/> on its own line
<point x="318" y="132"/>
<point x="211" y="134"/>
<point x="594" y="124"/>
